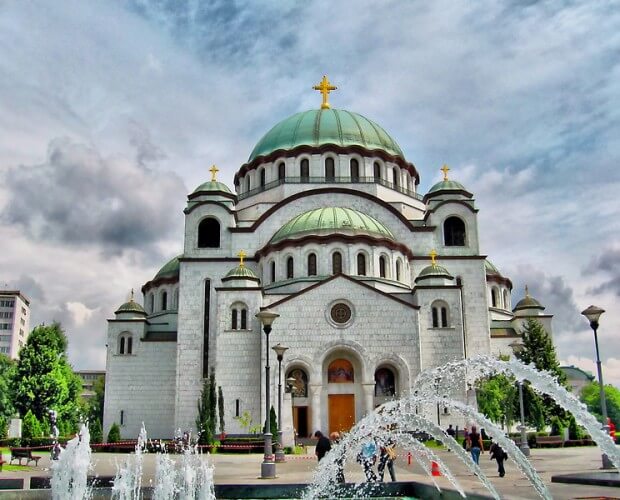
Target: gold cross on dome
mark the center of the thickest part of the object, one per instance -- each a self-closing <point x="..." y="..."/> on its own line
<point x="445" y="170"/>
<point x="241" y="256"/>
<point x="325" y="88"/>
<point x="214" y="170"/>
<point x="433" y="255"/>
<point x="131" y="298"/>
<point x="527" y="291"/>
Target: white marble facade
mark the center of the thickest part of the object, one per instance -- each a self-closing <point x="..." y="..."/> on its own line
<point x="357" y="331"/>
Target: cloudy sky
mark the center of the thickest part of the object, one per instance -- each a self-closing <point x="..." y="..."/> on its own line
<point x="111" y="112"/>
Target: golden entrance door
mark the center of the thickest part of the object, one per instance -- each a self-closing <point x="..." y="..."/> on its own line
<point x="341" y="412"/>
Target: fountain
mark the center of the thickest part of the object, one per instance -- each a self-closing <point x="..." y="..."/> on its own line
<point x="191" y="477"/>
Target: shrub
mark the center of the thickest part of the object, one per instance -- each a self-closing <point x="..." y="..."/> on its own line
<point x="31" y="428"/>
<point x="114" y="436"/>
<point x="96" y="432"/>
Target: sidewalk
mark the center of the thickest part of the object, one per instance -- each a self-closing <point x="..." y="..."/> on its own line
<point x="245" y="469"/>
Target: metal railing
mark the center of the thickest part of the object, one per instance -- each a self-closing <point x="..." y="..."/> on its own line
<point x="330" y="180"/>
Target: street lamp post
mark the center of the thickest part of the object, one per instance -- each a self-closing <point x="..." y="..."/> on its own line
<point x="593" y="313"/>
<point x="280" y="350"/>
<point x="517" y="347"/>
<point x="268" y="466"/>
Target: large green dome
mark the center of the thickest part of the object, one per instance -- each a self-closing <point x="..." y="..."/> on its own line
<point x="325" y="126"/>
<point x="330" y="219"/>
<point x="170" y="269"/>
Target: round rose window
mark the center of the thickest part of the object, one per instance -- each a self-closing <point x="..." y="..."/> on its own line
<point x="341" y="313"/>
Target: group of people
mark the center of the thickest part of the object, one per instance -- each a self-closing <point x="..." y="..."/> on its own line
<point x="371" y="452"/>
<point x="473" y="442"/>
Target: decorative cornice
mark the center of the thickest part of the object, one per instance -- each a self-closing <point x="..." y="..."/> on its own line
<point x="500" y="280"/>
<point x="430" y="210"/>
<point x="324" y="148"/>
<point x="189" y="210"/>
<point x="196" y="194"/>
<point x="159" y="281"/>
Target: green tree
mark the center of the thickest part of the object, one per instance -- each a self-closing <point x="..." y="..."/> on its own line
<point x="220" y="407"/>
<point x="31" y="427"/>
<point x="114" y="436"/>
<point x="6" y="400"/>
<point x="43" y="378"/>
<point x="273" y="422"/>
<point x="206" y="421"/>
<point x="96" y="432"/>
<point x="497" y="398"/>
<point x="590" y="396"/>
<point x="96" y="402"/>
<point x="538" y="349"/>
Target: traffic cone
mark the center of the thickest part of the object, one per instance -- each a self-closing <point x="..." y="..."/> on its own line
<point x="435" y="469"/>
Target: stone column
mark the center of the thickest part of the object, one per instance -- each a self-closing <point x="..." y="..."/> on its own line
<point x="315" y="397"/>
<point x="369" y="397"/>
<point x="288" y="433"/>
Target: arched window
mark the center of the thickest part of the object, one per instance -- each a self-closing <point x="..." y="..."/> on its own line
<point x="299" y="386"/>
<point x="239" y="317"/>
<point x="382" y="267"/>
<point x="281" y="171"/>
<point x="125" y="343"/>
<point x="340" y="371"/>
<point x="164" y="301"/>
<point x="355" y="170"/>
<point x="377" y="171"/>
<point x="289" y="268"/>
<point x="248" y="183"/>
<point x="506" y="304"/>
<point x="330" y="174"/>
<point x="398" y="269"/>
<point x="361" y="264"/>
<point x="336" y="263"/>
<point x="395" y="177"/>
<point x="151" y="303"/>
<point x="385" y="383"/>
<point x="234" y="323"/>
<point x="262" y="177"/>
<point x="494" y="297"/>
<point x="454" y="232"/>
<point x="121" y="349"/>
<point x="129" y="345"/>
<point x="209" y="233"/>
<point x="440" y="314"/>
<point x="312" y="264"/>
<point x="244" y="319"/>
<point x="273" y="271"/>
<point x="304" y="170"/>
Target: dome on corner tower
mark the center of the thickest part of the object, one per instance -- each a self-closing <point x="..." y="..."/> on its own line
<point x="329" y="220"/>
<point x="326" y="126"/>
<point x="212" y="186"/>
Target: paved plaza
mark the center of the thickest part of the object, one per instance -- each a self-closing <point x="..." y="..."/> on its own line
<point x="245" y="469"/>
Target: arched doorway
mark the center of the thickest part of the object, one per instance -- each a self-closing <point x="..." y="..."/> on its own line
<point x="341" y="395"/>
<point x="299" y="396"/>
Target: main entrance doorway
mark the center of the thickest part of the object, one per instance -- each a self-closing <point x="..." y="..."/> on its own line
<point x="341" y="412"/>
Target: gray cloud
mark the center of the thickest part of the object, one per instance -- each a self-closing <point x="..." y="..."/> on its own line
<point x="606" y="266"/>
<point x="31" y="287"/>
<point x="79" y="197"/>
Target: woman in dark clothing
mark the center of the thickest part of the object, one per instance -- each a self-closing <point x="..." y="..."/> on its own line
<point x="498" y="453"/>
<point x="474" y="444"/>
<point x="322" y="445"/>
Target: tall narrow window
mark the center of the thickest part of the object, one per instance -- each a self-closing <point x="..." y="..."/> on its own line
<point x="262" y="177"/>
<point x="382" y="267"/>
<point x="435" y="317"/>
<point x="164" y="301"/>
<point x="395" y="174"/>
<point x="234" y="323"/>
<point x="248" y="183"/>
<point x="304" y="170"/>
<point x="336" y="263"/>
<point x="152" y="303"/>
<point x="330" y="174"/>
<point x="454" y="232"/>
<point x="122" y="417"/>
<point x="129" y="345"/>
<point x="209" y="233"/>
<point x="273" y="271"/>
<point x="237" y="407"/>
<point x="281" y="171"/>
<point x="398" y="269"/>
<point x="377" y="171"/>
<point x="244" y="319"/>
<point x="361" y="264"/>
<point x="355" y="170"/>
<point x="289" y="268"/>
<point x="312" y="264"/>
<point x="444" y="317"/>
<point x="121" y="349"/>
<point x="494" y="297"/>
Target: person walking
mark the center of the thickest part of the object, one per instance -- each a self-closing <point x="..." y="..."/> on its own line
<point x="322" y="445"/>
<point x="335" y="439"/>
<point x="474" y="444"/>
<point x="498" y="453"/>
<point x="450" y="431"/>
<point x="386" y="457"/>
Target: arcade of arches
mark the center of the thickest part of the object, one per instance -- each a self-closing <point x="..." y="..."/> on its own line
<point x="342" y="390"/>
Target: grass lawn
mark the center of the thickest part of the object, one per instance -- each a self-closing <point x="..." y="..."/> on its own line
<point x="15" y="467"/>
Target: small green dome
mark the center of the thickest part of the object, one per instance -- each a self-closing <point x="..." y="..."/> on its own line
<point x="447" y="186"/>
<point x="241" y="272"/>
<point x="434" y="271"/>
<point x="213" y="186"/>
<point x="528" y="303"/>
<point x="170" y="269"/>
<point x="325" y="126"/>
<point x="330" y="219"/>
<point x="131" y="306"/>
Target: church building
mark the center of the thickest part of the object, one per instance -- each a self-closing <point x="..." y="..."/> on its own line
<point x="371" y="281"/>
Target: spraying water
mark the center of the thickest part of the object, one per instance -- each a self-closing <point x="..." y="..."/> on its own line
<point x="70" y="470"/>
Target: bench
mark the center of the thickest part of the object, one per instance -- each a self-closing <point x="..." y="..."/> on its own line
<point x="19" y="453"/>
<point x="549" y="441"/>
